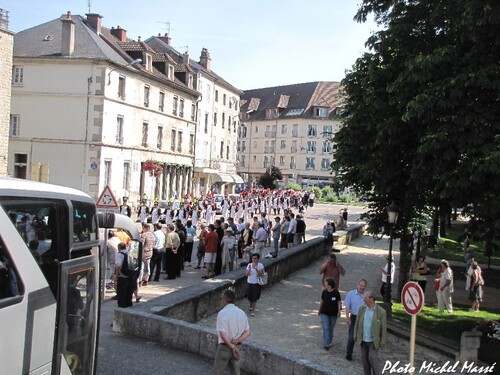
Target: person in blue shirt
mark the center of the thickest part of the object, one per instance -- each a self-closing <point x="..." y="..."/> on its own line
<point x="353" y="301"/>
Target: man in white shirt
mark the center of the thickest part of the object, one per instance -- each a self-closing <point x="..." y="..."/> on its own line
<point x="158" y="252"/>
<point x="232" y="328"/>
<point x="384" y="271"/>
<point x="260" y="239"/>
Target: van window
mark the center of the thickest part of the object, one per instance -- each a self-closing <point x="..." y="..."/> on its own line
<point x="10" y="285"/>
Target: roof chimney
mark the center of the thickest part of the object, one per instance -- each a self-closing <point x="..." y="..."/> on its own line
<point x="68" y="35"/>
<point x="205" y="59"/>
<point x="165" y="39"/>
<point x="94" y="22"/>
<point x="119" y="33"/>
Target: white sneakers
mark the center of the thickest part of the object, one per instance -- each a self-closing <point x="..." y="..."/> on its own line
<point x="268" y="255"/>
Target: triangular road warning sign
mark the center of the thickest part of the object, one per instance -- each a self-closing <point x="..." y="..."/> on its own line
<point x="107" y="199"/>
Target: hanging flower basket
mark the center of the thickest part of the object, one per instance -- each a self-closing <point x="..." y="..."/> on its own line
<point x="154" y="167"/>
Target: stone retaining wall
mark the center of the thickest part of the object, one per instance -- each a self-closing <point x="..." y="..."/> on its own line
<point x="170" y="319"/>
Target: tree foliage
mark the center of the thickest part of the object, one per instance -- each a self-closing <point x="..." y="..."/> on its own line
<point x="421" y="124"/>
<point x="267" y="181"/>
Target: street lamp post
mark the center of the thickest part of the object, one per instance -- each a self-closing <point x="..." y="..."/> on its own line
<point x="392" y="213"/>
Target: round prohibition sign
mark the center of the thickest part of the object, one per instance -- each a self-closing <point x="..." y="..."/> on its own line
<point x="412" y="298"/>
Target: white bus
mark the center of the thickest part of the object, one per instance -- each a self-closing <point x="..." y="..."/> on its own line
<point x="50" y="277"/>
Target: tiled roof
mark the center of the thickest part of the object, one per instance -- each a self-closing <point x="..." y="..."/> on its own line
<point x="89" y="45"/>
<point x="295" y="100"/>
<point x="44" y="41"/>
<point x="160" y="46"/>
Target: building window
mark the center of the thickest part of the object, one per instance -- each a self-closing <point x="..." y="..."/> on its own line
<point x="254" y="159"/>
<point x="15" y="125"/>
<point x="327" y="147"/>
<point x="126" y="175"/>
<point x="179" y="142"/>
<point x="216" y="95"/>
<point x="327" y="131"/>
<point x="20" y="166"/>
<point x="107" y="172"/>
<point x="242" y="160"/>
<point x="208" y="93"/>
<point x="311" y="146"/>
<point x="144" y="142"/>
<point x="229" y="124"/>
<point x="121" y="87"/>
<point x="273" y="146"/>
<point x="235" y="124"/>
<point x="119" y="130"/>
<point x="325" y="164"/>
<point x="293" y="163"/>
<point x="282" y="160"/>
<point x="181" y="108"/>
<point x="175" y="104"/>
<point x="310" y="163"/>
<point x="146" y="96"/>
<point x="283" y="144"/>
<point x="227" y="152"/>
<point x="267" y="133"/>
<point x="221" y="149"/>
<point x="256" y="129"/>
<point x="223" y="119"/>
<point x="283" y="129"/>
<point x="223" y="99"/>
<point x="293" y="149"/>
<point x="243" y="132"/>
<point x="215" y="119"/>
<point x="17" y="75"/>
<point x="191" y="144"/>
<point x="173" y="135"/>
<point x="266" y="162"/>
<point x="295" y="130"/>
<point x="320" y="112"/>
<point x="193" y="112"/>
<point x="171" y="72"/>
<point x="159" y="138"/>
<point x="161" y="101"/>
<point x="311" y="131"/>
<point x="206" y="123"/>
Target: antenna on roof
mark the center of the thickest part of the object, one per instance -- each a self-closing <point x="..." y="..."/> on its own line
<point x="89" y="5"/>
<point x="167" y="24"/>
<point x="184" y="47"/>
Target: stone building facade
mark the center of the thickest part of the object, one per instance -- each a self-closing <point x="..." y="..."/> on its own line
<point x="6" y="48"/>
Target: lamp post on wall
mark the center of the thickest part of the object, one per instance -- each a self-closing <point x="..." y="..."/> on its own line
<point x="132" y="63"/>
<point x="392" y="214"/>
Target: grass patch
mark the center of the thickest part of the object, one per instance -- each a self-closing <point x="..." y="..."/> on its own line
<point x="451" y="326"/>
<point x="451" y="247"/>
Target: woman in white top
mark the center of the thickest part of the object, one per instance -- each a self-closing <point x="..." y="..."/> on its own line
<point x="253" y="291"/>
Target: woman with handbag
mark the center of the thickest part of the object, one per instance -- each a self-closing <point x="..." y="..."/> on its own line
<point x="419" y="272"/>
<point x="253" y="271"/>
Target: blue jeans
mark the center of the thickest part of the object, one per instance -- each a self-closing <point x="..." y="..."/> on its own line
<point x="350" y="337"/>
<point x="328" y="323"/>
<point x="276" y="243"/>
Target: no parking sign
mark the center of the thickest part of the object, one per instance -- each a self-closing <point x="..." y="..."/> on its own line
<point x="412" y="298"/>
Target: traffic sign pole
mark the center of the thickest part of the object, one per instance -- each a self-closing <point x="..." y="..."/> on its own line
<point x="413" y="332"/>
<point x="412" y="297"/>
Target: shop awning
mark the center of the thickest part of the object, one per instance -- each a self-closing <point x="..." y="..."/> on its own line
<point x="223" y="177"/>
<point x="237" y="179"/>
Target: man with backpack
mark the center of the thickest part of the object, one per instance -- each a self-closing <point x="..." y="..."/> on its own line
<point x="125" y="277"/>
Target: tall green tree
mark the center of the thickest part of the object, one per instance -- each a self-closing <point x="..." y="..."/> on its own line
<point x="421" y="125"/>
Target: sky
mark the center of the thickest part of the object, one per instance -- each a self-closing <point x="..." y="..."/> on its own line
<point x="253" y="43"/>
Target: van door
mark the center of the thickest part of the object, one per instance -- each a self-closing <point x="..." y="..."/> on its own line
<point x="78" y="313"/>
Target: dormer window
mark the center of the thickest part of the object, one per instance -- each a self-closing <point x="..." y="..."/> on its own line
<point x="272" y="113"/>
<point x="190" y="81"/>
<point x="320" y="112"/>
<point x="149" y="62"/>
<point x="171" y="72"/>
